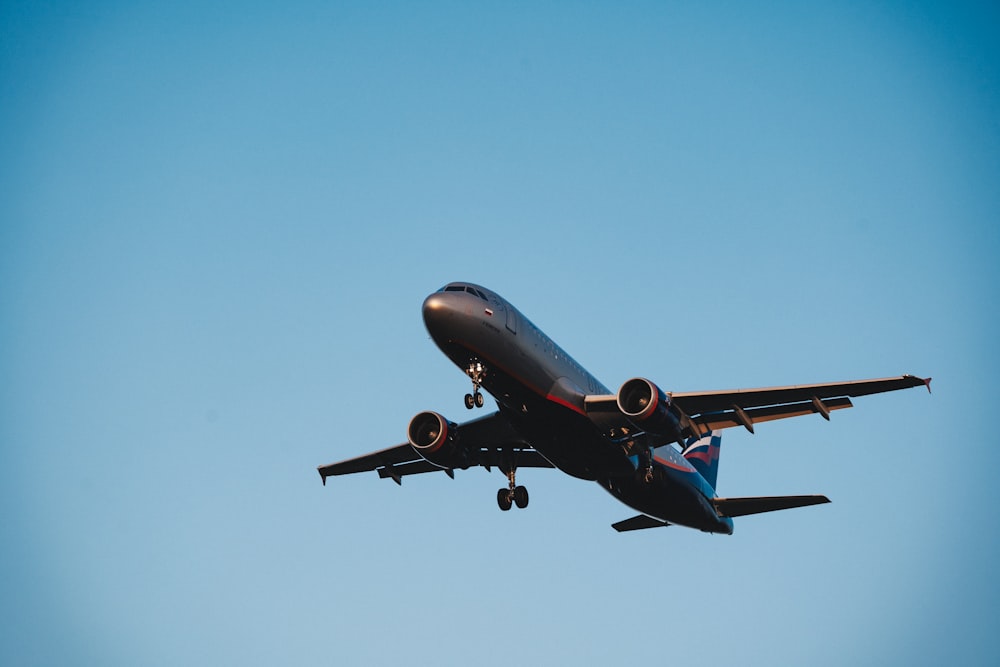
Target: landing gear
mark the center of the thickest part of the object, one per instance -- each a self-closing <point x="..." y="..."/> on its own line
<point x="649" y="475"/>
<point x="646" y="471"/>
<point x="476" y="372"/>
<point x="504" y="499"/>
<point x="512" y="495"/>
<point x="520" y="497"/>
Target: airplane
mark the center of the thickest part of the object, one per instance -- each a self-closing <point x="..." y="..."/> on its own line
<point x="655" y="451"/>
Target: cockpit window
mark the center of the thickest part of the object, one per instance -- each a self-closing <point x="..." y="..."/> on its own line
<point x="465" y="288"/>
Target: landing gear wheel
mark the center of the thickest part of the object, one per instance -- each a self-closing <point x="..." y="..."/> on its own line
<point x="513" y="494"/>
<point x="477" y="373"/>
<point x="504" y="499"/>
<point x="520" y="497"/>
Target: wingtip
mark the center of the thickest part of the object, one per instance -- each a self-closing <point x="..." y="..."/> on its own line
<point x="927" y="383"/>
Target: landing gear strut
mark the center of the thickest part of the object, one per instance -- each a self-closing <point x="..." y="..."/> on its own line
<point x="512" y="495"/>
<point x="476" y="372"/>
<point x="646" y="468"/>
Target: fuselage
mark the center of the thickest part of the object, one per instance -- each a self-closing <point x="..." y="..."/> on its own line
<point x="541" y="390"/>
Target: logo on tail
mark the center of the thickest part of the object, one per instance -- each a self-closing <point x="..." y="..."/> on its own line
<point x="703" y="454"/>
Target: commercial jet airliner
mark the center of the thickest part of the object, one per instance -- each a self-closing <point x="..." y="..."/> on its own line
<point x="655" y="451"/>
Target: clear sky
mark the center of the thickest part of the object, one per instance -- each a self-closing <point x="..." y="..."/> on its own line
<point x="217" y="224"/>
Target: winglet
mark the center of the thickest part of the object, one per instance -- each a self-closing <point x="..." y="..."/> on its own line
<point x="322" y="477"/>
<point x="927" y="383"/>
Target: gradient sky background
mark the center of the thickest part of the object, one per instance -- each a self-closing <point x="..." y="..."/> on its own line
<point x="217" y="224"/>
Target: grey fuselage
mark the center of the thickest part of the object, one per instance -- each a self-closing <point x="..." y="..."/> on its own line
<point x="541" y="391"/>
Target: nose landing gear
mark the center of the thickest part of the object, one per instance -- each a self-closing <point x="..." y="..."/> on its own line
<point x="476" y="372"/>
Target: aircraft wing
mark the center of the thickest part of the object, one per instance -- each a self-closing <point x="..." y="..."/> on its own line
<point x="491" y="441"/>
<point x="745" y="407"/>
<point x="703" y="411"/>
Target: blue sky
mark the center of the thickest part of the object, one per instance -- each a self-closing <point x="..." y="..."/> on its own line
<point x="217" y="224"/>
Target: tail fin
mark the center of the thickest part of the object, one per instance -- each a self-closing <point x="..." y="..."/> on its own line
<point x="703" y="454"/>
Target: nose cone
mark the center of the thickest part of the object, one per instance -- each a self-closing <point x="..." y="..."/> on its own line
<point x="439" y="311"/>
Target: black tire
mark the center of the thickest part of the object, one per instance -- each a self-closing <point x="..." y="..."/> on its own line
<point x="503" y="499"/>
<point x="521" y="497"/>
<point x="479" y="400"/>
<point x="469" y="401"/>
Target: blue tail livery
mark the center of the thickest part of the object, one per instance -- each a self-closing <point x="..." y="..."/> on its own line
<point x="703" y="454"/>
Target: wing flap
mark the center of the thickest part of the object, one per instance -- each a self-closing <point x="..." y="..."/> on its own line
<point x="397" y="472"/>
<point x="730" y="418"/>
<point x="732" y="507"/>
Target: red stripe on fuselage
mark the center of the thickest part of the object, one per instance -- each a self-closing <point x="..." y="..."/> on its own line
<point x="563" y="402"/>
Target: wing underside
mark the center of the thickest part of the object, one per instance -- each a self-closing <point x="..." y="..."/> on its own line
<point x="490" y="442"/>
<point x="700" y="412"/>
<point x="707" y="402"/>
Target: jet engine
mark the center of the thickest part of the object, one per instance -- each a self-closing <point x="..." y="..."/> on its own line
<point x="436" y="439"/>
<point x="648" y="407"/>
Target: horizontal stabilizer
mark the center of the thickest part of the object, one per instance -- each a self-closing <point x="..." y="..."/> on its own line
<point x="638" y="523"/>
<point x="743" y="506"/>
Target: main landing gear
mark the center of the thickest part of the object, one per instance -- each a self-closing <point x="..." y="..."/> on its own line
<point x="645" y="472"/>
<point x="512" y="495"/>
<point x="476" y="372"/>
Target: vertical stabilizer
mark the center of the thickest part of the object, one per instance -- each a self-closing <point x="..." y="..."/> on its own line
<point x="703" y="454"/>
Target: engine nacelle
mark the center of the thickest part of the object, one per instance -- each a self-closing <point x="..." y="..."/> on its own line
<point x="436" y="439"/>
<point x="648" y="407"/>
